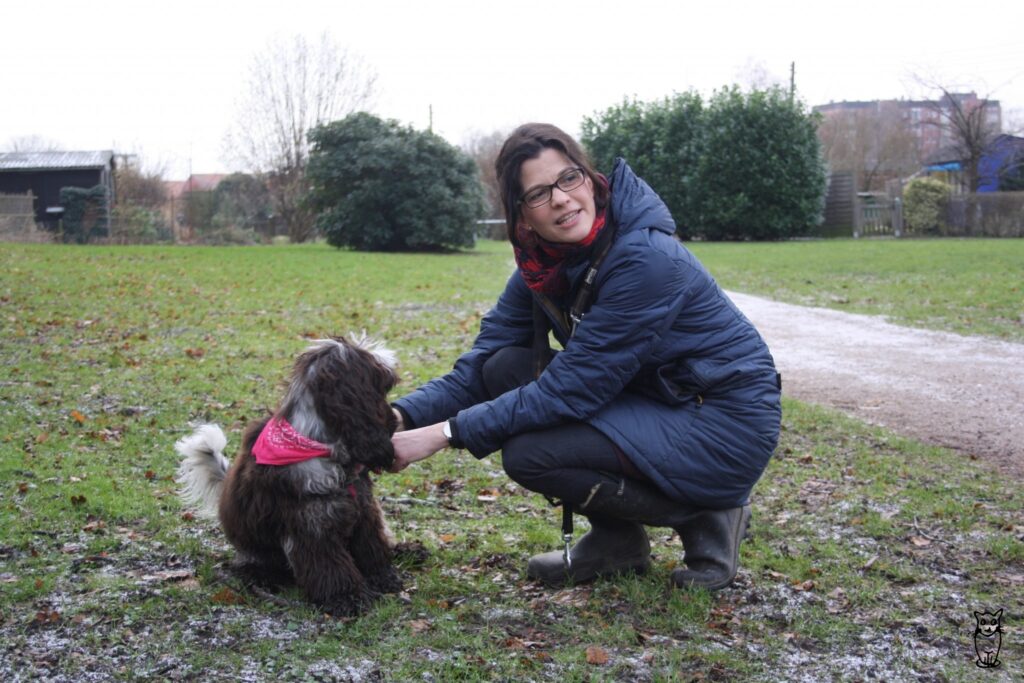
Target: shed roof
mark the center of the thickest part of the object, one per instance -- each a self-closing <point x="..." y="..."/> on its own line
<point x="38" y="161"/>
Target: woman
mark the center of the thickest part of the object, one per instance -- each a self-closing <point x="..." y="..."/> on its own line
<point x="663" y="407"/>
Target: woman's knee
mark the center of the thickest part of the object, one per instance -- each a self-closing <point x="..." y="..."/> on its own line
<point x="507" y="369"/>
<point x="519" y="461"/>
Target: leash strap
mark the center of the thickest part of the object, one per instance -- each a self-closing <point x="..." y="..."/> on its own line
<point x="567" y="533"/>
<point x="542" y="351"/>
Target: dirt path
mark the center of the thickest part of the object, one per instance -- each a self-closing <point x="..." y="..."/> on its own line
<point x="965" y="393"/>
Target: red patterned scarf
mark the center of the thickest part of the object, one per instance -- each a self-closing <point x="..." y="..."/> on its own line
<point x="542" y="263"/>
<point x="280" y="444"/>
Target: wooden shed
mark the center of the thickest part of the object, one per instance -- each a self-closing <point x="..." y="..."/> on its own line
<point x="45" y="173"/>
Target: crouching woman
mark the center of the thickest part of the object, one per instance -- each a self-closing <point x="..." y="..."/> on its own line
<point x="663" y="407"/>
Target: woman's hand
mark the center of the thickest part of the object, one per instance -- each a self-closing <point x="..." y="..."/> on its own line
<point x="417" y="444"/>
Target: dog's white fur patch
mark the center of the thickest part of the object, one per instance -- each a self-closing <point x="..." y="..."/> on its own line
<point x="362" y="340"/>
<point x="316" y="476"/>
<point x="203" y="468"/>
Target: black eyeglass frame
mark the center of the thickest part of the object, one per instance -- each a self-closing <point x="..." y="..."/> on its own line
<point x="548" y="188"/>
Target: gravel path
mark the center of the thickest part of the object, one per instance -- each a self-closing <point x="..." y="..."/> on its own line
<point x="965" y="393"/>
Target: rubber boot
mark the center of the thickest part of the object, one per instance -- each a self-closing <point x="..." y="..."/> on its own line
<point x="711" y="541"/>
<point x="619" y="498"/>
<point x="610" y="547"/>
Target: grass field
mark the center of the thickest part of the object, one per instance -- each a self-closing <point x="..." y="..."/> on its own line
<point x="965" y="286"/>
<point x="869" y="553"/>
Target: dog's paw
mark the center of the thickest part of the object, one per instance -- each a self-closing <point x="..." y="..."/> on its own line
<point x="410" y="554"/>
<point x="268" y="577"/>
<point x="387" y="582"/>
<point x="349" y="605"/>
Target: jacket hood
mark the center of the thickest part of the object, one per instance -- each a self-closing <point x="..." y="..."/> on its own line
<point x="634" y="204"/>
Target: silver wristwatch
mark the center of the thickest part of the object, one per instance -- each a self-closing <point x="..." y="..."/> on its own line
<point x="447" y="431"/>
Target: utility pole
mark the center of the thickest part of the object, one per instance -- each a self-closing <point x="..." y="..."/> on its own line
<point x="792" y="81"/>
<point x="430" y="124"/>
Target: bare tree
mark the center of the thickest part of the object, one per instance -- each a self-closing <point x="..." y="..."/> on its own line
<point x="32" y="143"/>
<point x="968" y="124"/>
<point x="484" y="148"/>
<point x="876" y="142"/>
<point x="293" y="86"/>
<point x="755" y="75"/>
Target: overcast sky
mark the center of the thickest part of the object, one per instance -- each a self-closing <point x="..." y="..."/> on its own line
<point x="162" y="79"/>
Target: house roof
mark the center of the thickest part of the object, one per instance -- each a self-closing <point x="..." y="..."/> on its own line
<point x="203" y="182"/>
<point x="39" y="161"/>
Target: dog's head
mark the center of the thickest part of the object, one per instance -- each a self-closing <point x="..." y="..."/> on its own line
<point x="338" y="394"/>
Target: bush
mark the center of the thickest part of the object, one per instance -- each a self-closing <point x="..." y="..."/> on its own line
<point x="133" y="224"/>
<point x="760" y="175"/>
<point x="741" y="166"/>
<point x="662" y="141"/>
<point x="377" y="185"/>
<point x="85" y="213"/>
<point x="244" y="202"/>
<point x="924" y="205"/>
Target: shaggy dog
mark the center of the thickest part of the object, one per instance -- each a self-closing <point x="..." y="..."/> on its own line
<point x="308" y="514"/>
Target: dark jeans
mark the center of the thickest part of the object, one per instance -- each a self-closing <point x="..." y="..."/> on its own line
<point x="559" y="462"/>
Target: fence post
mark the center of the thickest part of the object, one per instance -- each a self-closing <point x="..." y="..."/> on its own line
<point x="897" y="217"/>
<point x="858" y="216"/>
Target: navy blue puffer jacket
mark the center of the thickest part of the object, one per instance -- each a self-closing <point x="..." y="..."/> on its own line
<point x="663" y="364"/>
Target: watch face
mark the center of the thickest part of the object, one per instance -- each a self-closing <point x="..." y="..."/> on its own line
<point x="447" y="430"/>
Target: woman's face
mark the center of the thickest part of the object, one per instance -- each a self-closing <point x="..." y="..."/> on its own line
<point x="568" y="216"/>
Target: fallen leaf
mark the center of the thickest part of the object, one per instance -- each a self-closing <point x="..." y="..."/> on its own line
<point x="47" y="616"/>
<point x="78" y="500"/>
<point x="487" y="495"/>
<point x="23" y="487"/>
<point x="1010" y="578"/>
<point x="150" y="474"/>
<point x="871" y="561"/>
<point x="195" y="353"/>
<point x="419" y="625"/>
<point x="77" y="417"/>
<point x="446" y="538"/>
<point x="226" y="596"/>
<point x="803" y="585"/>
<point x="172" y="575"/>
<point x="920" y="541"/>
<point x="596" y="655"/>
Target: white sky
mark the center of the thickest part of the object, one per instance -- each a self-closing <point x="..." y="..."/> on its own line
<point x="162" y="80"/>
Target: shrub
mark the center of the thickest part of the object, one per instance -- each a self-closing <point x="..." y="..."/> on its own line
<point x="924" y="205"/>
<point x="662" y="141"/>
<point x="133" y="224"/>
<point x="740" y="166"/>
<point x="377" y="185"/>
<point x="85" y="213"/>
<point x="760" y="175"/>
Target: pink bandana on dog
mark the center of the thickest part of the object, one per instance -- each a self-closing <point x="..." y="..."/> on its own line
<point x="280" y="444"/>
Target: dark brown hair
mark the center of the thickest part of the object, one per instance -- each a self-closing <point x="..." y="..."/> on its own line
<point x="527" y="142"/>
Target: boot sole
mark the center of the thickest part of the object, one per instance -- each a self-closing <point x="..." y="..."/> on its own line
<point x="564" y="579"/>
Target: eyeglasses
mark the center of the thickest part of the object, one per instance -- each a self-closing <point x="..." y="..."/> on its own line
<point x="568" y="181"/>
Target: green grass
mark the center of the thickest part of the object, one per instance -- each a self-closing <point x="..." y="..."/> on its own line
<point x="868" y="551"/>
<point x="964" y="286"/>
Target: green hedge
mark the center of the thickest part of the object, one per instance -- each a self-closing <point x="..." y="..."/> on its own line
<point x="85" y="213"/>
<point x="739" y="166"/>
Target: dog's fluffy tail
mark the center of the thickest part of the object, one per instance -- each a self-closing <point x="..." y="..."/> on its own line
<point x="202" y="469"/>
